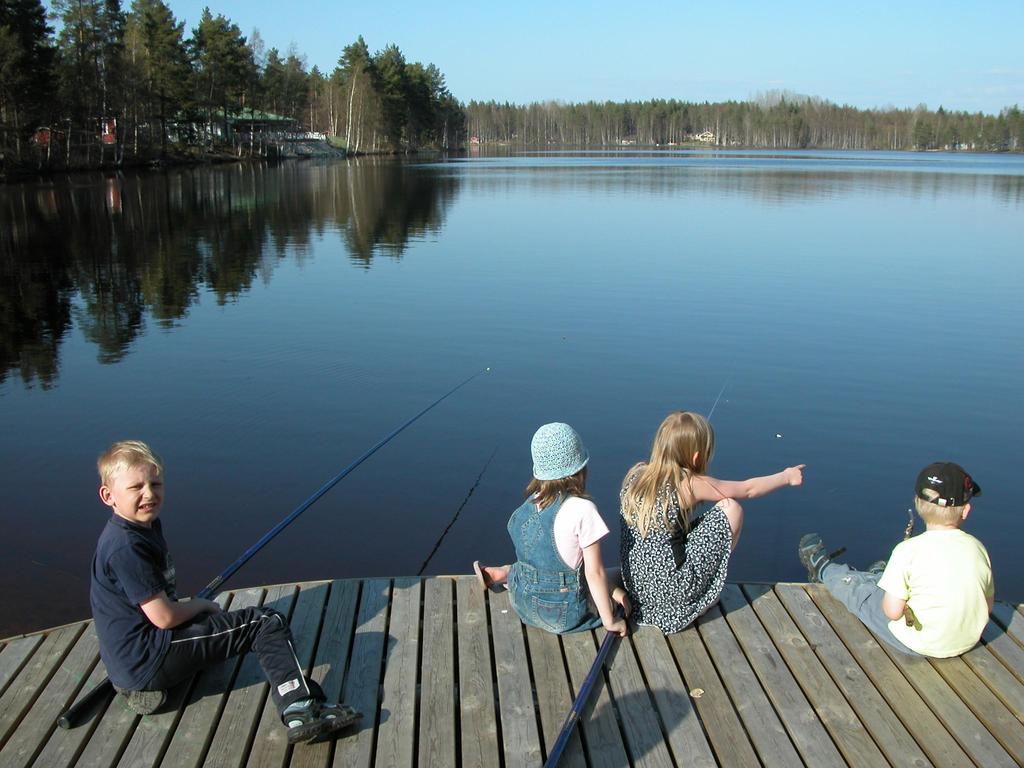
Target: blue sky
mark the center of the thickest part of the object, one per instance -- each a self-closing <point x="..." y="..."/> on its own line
<point x="959" y="55"/>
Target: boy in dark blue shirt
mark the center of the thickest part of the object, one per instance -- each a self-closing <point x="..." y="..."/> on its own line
<point x="149" y="641"/>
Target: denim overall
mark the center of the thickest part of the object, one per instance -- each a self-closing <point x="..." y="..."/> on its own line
<point x="544" y="591"/>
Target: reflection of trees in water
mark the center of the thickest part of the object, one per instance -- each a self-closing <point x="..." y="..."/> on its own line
<point x="35" y="293"/>
<point x="111" y="252"/>
<point x="783" y="185"/>
<point x="384" y="204"/>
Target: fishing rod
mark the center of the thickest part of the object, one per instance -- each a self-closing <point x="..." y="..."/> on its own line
<point x="581" y="701"/>
<point x="595" y="669"/>
<point x="78" y="712"/>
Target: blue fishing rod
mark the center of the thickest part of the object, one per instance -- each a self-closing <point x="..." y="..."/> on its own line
<point x="581" y="701"/>
<point x="77" y="713"/>
<point x="595" y="670"/>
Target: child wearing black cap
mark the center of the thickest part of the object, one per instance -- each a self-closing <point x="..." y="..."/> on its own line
<point x="934" y="595"/>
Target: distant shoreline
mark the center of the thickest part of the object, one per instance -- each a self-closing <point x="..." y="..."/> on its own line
<point x="25" y="172"/>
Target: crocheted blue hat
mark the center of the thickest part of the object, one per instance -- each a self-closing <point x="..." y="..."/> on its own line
<point x="557" y="452"/>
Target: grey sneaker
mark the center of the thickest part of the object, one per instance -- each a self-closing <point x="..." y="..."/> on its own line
<point x="144" y="702"/>
<point x="811" y="551"/>
<point x="318" y="721"/>
<point x="878" y="566"/>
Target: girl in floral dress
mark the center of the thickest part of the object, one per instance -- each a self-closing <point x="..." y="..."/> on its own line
<point x="675" y="557"/>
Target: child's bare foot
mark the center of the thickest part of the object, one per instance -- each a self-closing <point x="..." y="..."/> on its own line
<point x="492" y="577"/>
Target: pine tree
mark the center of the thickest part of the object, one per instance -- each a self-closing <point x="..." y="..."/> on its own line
<point x="392" y="84"/>
<point x="223" y="67"/>
<point x="296" y="85"/>
<point x="272" y="84"/>
<point x="26" y="62"/>
<point x="165" y="65"/>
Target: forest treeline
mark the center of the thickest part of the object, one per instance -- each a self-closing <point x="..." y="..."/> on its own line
<point x="108" y="83"/>
<point x="120" y="82"/>
<point x="776" y="120"/>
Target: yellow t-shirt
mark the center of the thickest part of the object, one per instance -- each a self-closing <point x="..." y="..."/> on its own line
<point x="946" y="578"/>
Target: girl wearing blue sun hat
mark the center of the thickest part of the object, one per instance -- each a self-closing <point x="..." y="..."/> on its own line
<point x="557" y="534"/>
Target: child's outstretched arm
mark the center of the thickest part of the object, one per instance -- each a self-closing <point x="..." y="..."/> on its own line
<point x="597" y="581"/>
<point x="168" y="614"/>
<point x="707" y="488"/>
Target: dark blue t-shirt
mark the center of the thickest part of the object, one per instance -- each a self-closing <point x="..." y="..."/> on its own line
<point x="130" y="566"/>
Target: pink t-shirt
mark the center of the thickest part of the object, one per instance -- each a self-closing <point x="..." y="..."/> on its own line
<point x="578" y="524"/>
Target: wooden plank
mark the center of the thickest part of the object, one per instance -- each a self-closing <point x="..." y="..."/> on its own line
<point x="798" y="717"/>
<point x="202" y="710"/>
<point x="763" y="725"/>
<point x="362" y="683"/>
<point x="245" y="700"/>
<point x="602" y="738"/>
<point x="721" y="722"/>
<point x="950" y="709"/>
<point x="396" y="734"/>
<point x="847" y="676"/>
<point x="1002" y="645"/>
<point x="849" y="735"/>
<point x="1011" y="619"/>
<point x="554" y="694"/>
<point x="63" y="747"/>
<point x="60" y="691"/>
<point x="520" y="736"/>
<point x="878" y="717"/>
<point x="930" y="729"/>
<point x="1006" y="728"/>
<point x="1002" y="682"/>
<point x="270" y="746"/>
<point x="14" y="656"/>
<point x="479" y="729"/>
<point x="633" y="702"/>
<point x="683" y="733"/>
<point x="437" y="684"/>
<point x="151" y="734"/>
<point x="113" y="729"/>
<point x="34" y="675"/>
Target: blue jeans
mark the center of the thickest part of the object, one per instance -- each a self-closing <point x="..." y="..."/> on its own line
<point x="543" y="590"/>
<point x="555" y="602"/>
<point x="860" y="593"/>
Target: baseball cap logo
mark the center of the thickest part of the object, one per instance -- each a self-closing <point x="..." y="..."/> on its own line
<point x="934" y="480"/>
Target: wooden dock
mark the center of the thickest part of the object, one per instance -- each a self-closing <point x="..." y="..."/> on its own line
<point x="446" y="676"/>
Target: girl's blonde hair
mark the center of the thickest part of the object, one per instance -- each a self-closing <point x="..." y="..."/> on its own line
<point x="546" y="491"/>
<point x="123" y="455"/>
<point x="683" y="446"/>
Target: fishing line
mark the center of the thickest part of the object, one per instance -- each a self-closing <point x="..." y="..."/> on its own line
<point x="713" y="406"/>
<point x="720" y="393"/>
<point x="456" y="515"/>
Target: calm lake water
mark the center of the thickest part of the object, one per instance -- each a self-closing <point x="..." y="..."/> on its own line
<point x="262" y="326"/>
